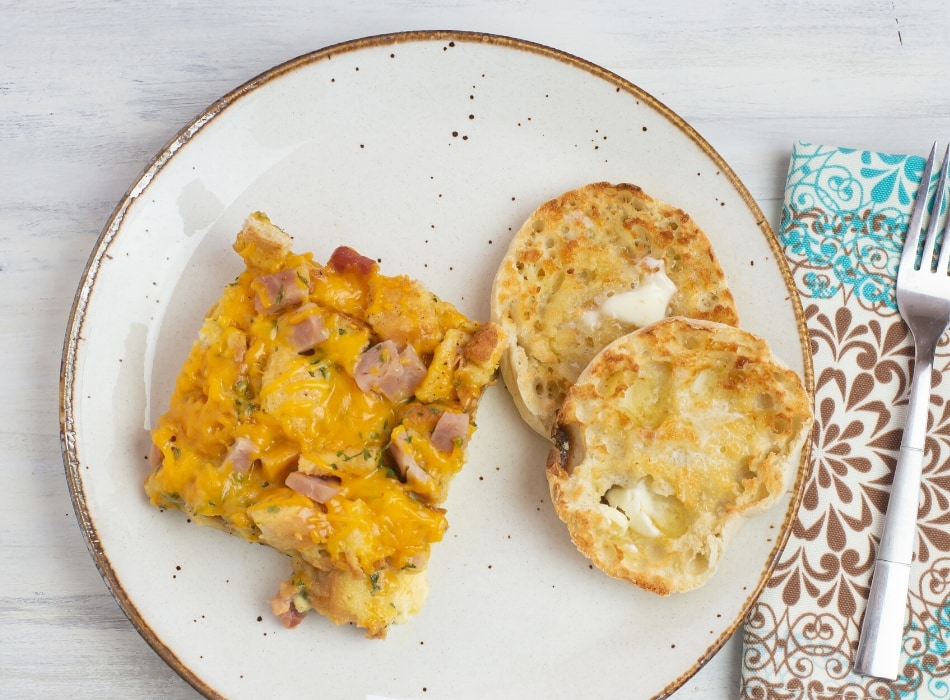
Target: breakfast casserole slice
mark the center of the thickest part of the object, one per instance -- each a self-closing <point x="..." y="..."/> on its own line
<point x="323" y="411"/>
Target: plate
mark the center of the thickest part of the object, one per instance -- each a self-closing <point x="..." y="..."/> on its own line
<point x="425" y="150"/>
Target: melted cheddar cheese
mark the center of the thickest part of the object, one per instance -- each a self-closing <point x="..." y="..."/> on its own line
<point x="310" y="416"/>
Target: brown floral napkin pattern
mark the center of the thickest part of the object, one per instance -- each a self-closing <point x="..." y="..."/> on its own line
<point x="842" y="229"/>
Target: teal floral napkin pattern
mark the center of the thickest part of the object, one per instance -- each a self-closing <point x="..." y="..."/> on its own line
<point x="842" y="229"/>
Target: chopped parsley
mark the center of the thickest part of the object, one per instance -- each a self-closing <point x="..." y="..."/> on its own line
<point x="244" y="407"/>
<point x="242" y="387"/>
<point x="365" y="453"/>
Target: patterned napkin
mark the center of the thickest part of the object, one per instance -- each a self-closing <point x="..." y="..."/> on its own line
<point x="842" y="229"/>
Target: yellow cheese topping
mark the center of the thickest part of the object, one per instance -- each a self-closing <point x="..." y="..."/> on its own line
<point x="254" y="404"/>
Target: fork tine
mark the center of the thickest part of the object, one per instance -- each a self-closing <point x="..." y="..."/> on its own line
<point x="912" y="237"/>
<point x="944" y="258"/>
<point x="930" y="242"/>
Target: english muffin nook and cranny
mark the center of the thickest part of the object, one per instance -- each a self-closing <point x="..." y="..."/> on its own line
<point x="670" y="424"/>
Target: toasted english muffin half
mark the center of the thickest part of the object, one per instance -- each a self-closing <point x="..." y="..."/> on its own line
<point x="669" y="439"/>
<point x="588" y="267"/>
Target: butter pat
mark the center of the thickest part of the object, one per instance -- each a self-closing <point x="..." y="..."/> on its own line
<point x="648" y="513"/>
<point x="636" y="502"/>
<point x="641" y="306"/>
<point x="647" y="303"/>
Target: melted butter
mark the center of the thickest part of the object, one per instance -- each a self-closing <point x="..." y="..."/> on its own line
<point x="648" y="513"/>
<point x="635" y="502"/>
<point x="644" y="305"/>
<point x="641" y="306"/>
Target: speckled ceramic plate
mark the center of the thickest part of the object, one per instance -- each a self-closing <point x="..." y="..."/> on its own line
<point x="426" y="150"/>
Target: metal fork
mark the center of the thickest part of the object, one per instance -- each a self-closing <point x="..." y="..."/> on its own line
<point x="923" y="299"/>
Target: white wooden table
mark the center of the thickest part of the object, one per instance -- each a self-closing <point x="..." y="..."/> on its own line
<point x="90" y="91"/>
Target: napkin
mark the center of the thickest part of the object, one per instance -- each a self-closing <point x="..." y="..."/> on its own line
<point x="843" y="222"/>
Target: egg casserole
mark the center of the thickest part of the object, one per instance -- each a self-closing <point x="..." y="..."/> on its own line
<point x="323" y="411"/>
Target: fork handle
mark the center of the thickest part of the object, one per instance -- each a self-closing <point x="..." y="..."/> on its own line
<point x="900" y="521"/>
<point x="882" y="630"/>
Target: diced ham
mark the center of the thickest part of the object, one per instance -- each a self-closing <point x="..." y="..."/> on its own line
<point x="240" y="455"/>
<point x="413" y="372"/>
<point x="419" y="479"/>
<point x="155" y="456"/>
<point x="308" y="333"/>
<point x="283" y="606"/>
<point x="394" y="374"/>
<point x="290" y="618"/>
<point x="401" y="452"/>
<point x="451" y="430"/>
<point x="345" y="258"/>
<point x="280" y="290"/>
<point x="315" y="487"/>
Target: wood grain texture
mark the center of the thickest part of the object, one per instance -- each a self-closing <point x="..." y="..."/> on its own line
<point x="90" y="91"/>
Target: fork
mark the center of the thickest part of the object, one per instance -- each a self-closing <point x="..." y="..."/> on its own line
<point x="923" y="300"/>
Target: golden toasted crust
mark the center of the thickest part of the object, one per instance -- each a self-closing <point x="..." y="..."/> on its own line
<point x="569" y="257"/>
<point x="667" y="441"/>
<point x="345" y="597"/>
<point x="262" y="244"/>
